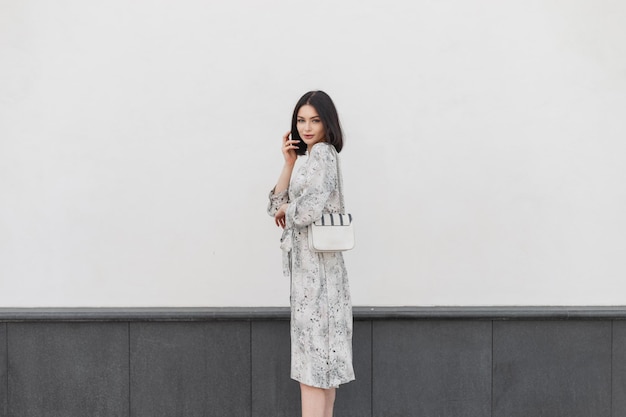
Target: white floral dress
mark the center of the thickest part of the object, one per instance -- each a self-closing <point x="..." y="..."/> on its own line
<point x="321" y="309"/>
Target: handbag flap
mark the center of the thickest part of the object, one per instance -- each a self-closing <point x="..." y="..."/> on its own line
<point x="334" y="219"/>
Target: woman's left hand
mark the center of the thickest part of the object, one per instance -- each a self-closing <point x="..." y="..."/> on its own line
<point x="279" y="218"/>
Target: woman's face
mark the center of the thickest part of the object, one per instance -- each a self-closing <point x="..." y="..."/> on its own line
<point x="310" y="127"/>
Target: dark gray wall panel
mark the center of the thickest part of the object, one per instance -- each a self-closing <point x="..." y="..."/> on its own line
<point x="215" y="362"/>
<point x="274" y="393"/>
<point x="431" y="368"/>
<point x="619" y="368"/>
<point x="3" y="370"/>
<point x="552" y="369"/>
<point x="355" y="398"/>
<point x="190" y="369"/>
<point x="68" y="369"/>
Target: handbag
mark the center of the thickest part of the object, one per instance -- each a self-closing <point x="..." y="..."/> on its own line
<point x="333" y="232"/>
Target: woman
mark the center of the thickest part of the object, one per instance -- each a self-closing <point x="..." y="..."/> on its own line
<point x="321" y="309"/>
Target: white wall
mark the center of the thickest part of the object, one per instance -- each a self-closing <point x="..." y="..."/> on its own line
<point x="484" y="158"/>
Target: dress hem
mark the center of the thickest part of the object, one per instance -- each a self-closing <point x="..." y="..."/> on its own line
<point x="324" y="386"/>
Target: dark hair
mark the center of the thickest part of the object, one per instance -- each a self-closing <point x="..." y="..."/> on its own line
<point x="328" y="114"/>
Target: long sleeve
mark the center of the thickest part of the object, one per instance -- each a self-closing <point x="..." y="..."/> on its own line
<point x="320" y="181"/>
<point x="277" y="200"/>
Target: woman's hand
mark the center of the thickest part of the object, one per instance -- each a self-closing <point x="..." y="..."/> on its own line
<point x="289" y="152"/>
<point x="289" y="149"/>
<point x="279" y="218"/>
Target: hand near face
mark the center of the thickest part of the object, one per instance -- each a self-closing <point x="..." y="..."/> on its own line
<point x="289" y="149"/>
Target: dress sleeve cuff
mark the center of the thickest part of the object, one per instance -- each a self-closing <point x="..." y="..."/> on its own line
<point x="277" y="200"/>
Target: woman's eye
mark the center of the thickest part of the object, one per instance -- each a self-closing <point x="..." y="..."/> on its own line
<point x="316" y="120"/>
<point x="299" y="121"/>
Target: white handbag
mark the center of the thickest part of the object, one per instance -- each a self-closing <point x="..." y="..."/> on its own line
<point x="333" y="232"/>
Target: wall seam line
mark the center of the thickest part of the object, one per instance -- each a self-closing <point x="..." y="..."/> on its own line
<point x="250" y="356"/>
<point x="612" y="348"/>
<point x="372" y="368"/>
<point x="492" y="367"/>
<point x="6" y="341"/>
<point x="129" y="376"/>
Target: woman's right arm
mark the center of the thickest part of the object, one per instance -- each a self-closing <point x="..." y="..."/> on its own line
<point x="279" y="194"/>
<point x="283" y="181"/>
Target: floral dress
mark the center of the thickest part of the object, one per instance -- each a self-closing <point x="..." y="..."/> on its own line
<point x="321" y="309"/>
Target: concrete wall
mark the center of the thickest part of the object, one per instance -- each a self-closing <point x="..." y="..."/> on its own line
<point x="483" y="161"/>
<point x="463" y="362"/>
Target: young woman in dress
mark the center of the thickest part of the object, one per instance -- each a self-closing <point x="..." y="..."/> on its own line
<point x="321" y="309"/>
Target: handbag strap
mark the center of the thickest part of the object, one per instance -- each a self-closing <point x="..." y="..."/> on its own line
<point x="339" y="182"/>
